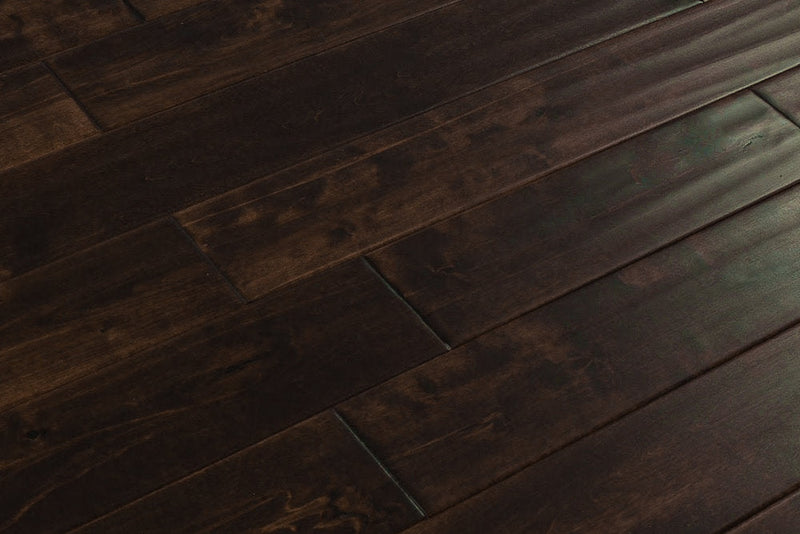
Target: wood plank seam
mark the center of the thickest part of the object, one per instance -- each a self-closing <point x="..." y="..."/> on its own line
<point x="136" y="13"/>
<point x="74" y="98"/>
<point x="394" y="291"/>
<point x="774" y="105"/>
<point x="775" y="501"/>
<point x="620" y="416"/>
<point x="211" y="263"/>
<point x="380" y="464"/>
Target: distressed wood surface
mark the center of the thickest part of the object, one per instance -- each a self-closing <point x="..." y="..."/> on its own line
<point x="172" y="60"/>
<point x="533" y="385"/>
<point x="570" y="109"/>
<point x="486" y="266"/>
<point x="30" y="30"/>
<point x="313" y="477"/>
<point x="37" y="116"/>
<point x="691" y="462"/>
<point x="197" y="398"/>
<point x="781" y="517"/>
<point x="97" y="307"/>
<point x="784" y="93"/>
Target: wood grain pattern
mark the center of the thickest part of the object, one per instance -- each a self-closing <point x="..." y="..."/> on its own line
<point x="528" y="388"/>
<point x="784" y="93"/>
<point x="486" y="266"/>
<point x="169" y="411"/>
<point x="32" y="30"/>
<point x="780" y="518"/>
<point x="211" y="145"/>
<point x="313" y="477"/>
<point x="37" y="116"/>
<point x="569" y="110"/>
<point x="94" y="308"/>
<point x="174" y="59"/>
<point x="692" y="462"/>
<point x="152" y="9"/>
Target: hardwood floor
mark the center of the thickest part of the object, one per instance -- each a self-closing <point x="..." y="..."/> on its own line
<point x="428" y="266"/>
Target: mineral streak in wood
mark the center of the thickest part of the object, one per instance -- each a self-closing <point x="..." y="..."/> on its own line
<point x="569" y="110"/>
<point x="217" y="389"/>
<point x="313" y="477"/>
<point x="482" y="268"/>
<point x="528" y="388"/>
<point x="37" y="116"/>
<point x="692" y="462"/>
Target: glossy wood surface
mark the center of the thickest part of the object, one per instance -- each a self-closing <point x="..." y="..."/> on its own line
<point x="440" y="266"/>
<point x="239" y="378"/>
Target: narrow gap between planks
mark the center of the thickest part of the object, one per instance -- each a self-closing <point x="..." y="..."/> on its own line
<point x="73" y="96"/>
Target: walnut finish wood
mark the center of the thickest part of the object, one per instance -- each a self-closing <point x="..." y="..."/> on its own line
<point x="569" y="110"/>
<point x="37" y="116"/>
<point x="152" y="9"/>
<point x="92" y="309"/>
<point x="486" y="266"/>
<point x="780" y="518"/>
<point x="210" y="145"/>
<point x="30" y="30"/>
<point x="692" y="462"/>
<point x="528" y="388"/>
<point x="313" y="477"/>
<point x="169" y="411"/>
<point x="784" y="93"/>
<point x="174" y="59"/>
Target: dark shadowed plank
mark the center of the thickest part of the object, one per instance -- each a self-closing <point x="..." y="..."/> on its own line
<point x="169" y="61"/>
<point x="491" y="264"/>
<point x="91" y="309"/>
<point x="151" y="9"/>
<point x="533" y="385"/>
<point x="221" y="141"/>
<point x="784" y="93"/>
<point x="692" y="462"/>
<point x="37" y="116"/>
<point x="570" y="109"/>
<point x="30" y="30"/>
<point x="313" y="477"/>
<point x="166" y="412"/>
<point x="781" y="518"/>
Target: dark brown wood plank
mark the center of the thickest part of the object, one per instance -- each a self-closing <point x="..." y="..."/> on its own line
<point x="37" y="116"/>
<point x="480" y="269"/>
<point x="174" y="59"/>
<point x="570" y="109"/>
<point x="533" y="385"/>
<point x="97" y="307"/>
<point x="169" y="411"/>
<point x="692" y="462"/>
<point x="151" y="9"/>
<point x="32" y="30"/>
<point x="314" y="477"/>
<point x="784" y="93"/>
<point x="779" y="518"/>
<point x="218" y="142"/>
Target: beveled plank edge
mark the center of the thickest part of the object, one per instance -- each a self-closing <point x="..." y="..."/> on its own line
<point x="644" y="404"/>
<point x="71" y="95"/>
<point x="756" y="514"/>
<point x="763" y="95"/>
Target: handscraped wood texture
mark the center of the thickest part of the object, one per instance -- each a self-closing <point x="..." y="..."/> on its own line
<point x="553" y="375"/>
<point x="693" y="462"/>
<point x="37" y="116"/>
<point x="217" y="388"/>
<point x="99" y="306"/>
<point x="424" y="266"/>
<point x="314" y="477"/>
<point x="568" y="110"/>
<point x="491" y="264"/>
<point x="782" y="517"/>
<point x="30" y="30"/>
